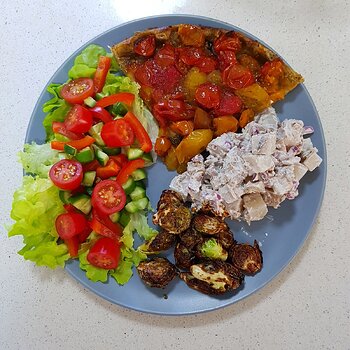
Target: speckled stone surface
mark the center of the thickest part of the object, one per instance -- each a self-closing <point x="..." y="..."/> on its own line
<point x="305" y="307"/>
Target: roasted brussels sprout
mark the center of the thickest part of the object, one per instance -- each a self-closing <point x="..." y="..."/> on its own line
<point x="174" y="219"/>
<point x="190" y="238"/>
<point x="213" y="277"/>
<point x="226" y="239"/>
<point x="157" y="272"/>
<point x="161" y="242"/>
<point x="247" y="258"/>
<point x="208" y="225"/>
<point x="169" y="197"/>
<point x="183" y="256"/>
<point x="211" y="248"/>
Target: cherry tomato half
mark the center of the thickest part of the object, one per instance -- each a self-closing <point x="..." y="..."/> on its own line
<point x="237" y="77"/>
<point x="108" y="197"/>
<point x="145" y="46"/>
<point x="69" y="225"/>
<point x="66" y="174"/>
<point x="78" y="119"/>
<point x="77" y="90"/>
<point x="105" y="253"/>
<point x="117" y="133"/>
<point x="208" y="95"/>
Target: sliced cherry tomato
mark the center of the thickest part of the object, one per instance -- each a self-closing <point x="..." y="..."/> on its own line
<point x="174" y="110"/>
<point x="237" y="77"/>
<point x="229" y="104"/>
<point x="69" y="225"/>
<point x="165" y="56"/>
<point x="91" y="166"/>
<point x="227" y="41"/>
<point x="84" y="234"/>
<point x="73" y="246"/>
<point x="78" y="119"/>
<point x="128" y="169"/>
<point x="78" y="144"/>
<point x="107" y="222"/>
<point x="112" y="168"/>
<point x="162" y="146"/>
<point x="208" y="95"/>
<point x="103" y="230"/>
<point x="66" y="174"/>
<point x="117" y="133"/>
<point x="206" y="64"/>
<point x="108" y="197"/>
<point x="139" y="131"/>
<point x="226" y="58"/>
<point x="105" y="253"/>
<point x="121" y="159"/>
<point x="77" y="90"/>
<point x="145" y="46"/>
<point x="183" y="128"/>
<point x="104" y="63"/>
<point x="101" y="114"/>
<point x="125" y="97"/>
<point x="60" y="128"/>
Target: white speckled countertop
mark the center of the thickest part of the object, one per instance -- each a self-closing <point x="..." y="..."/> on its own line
<point x="305" y="307"/>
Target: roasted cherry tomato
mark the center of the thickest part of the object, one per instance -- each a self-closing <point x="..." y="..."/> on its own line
<point x="208" y="95"/>
<point x="174" y="110"/>
<point x="102" y="114"/>
<point x="144" y="74"/>
<point x="227" y="41"/>
<point x="108" y="197"/>
<point x="165" y="56"/>
<point x="229" y="104"/>
<point x="251" y="63"/>
<point x="60" y="128"/>
<point x="191" y="35"/>
<point x="104" y="63"/>
<point x="191" y="55"/>
<point x="202" y="119"/>
<point x="117" y="133"/>
<point x="237" y="77"/>
<point x="162" y="146"/>
<point x="145" y="46"/>
<point x="77" y="90"/>
<point x="66" y="174"/>
<point x="206" y="64"/>
<point x="105" y="253"/>
<point x="183" y="128"/>
<point x="78" y="119"/>
<point x="226" y="58"/>
<point x="69" y="225"/>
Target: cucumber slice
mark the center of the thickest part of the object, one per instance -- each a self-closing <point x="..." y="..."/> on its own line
<point x="129" y="186"/>
<point x="141" y="203"/>
<point x="101" y="156"/>
<point x="89" y="178"/>
<point x="134" y="153"/>
<point x="95" y="132"/>
<point x="119" y="108"/>
<point x="89" y="101"/>
<point x="147" y="157"/>
<point x="59" y="137"/>
<point x="131" y="208"/>
<point x="89" y="190"/>
<point x="99" y="95"/>
<point x="70" y="150"/>
<point x="64" y="196"/>
<point x="85" y="155"/>
<point x="115" y="216"/>
<point x="124" y="218"/>
<point x="139" y="174"/>
<point x="82" y="202"/>
<point x="137" y="193"/>
<point x="111" y="151"/>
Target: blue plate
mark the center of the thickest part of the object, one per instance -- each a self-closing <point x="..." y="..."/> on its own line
<point x="280" y="234"/>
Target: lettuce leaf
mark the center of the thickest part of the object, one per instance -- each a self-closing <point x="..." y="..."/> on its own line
<point x="35" y="206"/>
<point x="38" y="159"/>
<point x="139" y="222"/>
<point x="90" y="56"/>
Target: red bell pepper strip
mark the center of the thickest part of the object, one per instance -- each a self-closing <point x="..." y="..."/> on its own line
<point x="125" y="97"/>
<point x="84" y="234"/>
<point x="104" y="226"/>
<point x="139" y="131"/>
<point x="72" y="245"/>
<point x="121" y="159"/>
<point x="60" y="128"/>
<point x="91" y="166"/>
<point x="78" y="144"/>
<point x="102" y="114"/>
<point x="128" y="169"/>
<point x="112" y="168"/>
<point x="104" y="63"/>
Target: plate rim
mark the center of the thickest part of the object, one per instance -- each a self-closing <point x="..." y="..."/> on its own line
<point x="323" y="174"/>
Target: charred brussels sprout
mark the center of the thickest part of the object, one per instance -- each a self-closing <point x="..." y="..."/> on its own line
<point x="161" y="242"/>
<point x="226" y="239"/>
<point x="190" y="238"/>
<point x="211" y="248"/>
<point x="183" y="256"/>
<point x="213" y="277"/>
<point x="208" y="225"/>
<point x="247" y="258"/>
<point x="157" y="272"/>
<point x="174" y="219"/>
<point x="169" y="197"/>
